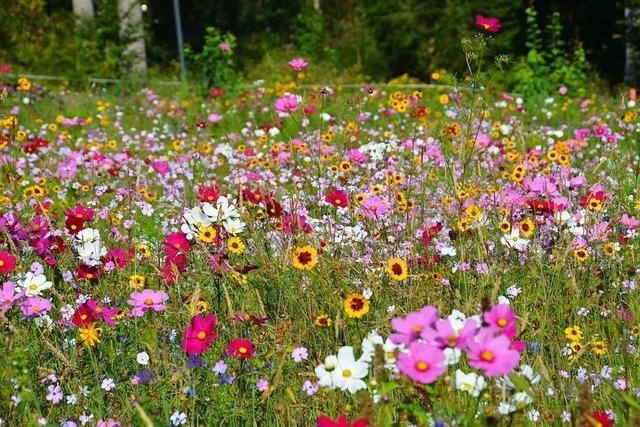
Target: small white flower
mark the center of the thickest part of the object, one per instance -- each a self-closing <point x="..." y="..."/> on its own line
<point x="178" y="418"/>
<point x="471" y="382"/>
<point x="108" y="384"/>
<point x="367" y="293"/>
<point x="143" y="358"/>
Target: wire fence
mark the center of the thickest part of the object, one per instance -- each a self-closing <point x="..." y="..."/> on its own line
<point x="107" y="81"/>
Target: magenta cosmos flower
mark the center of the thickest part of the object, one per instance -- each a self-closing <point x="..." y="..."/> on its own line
<point x="491" y="25"/>
<point x="423" y="363"/>
<point x="287" y="104"/>
<point x="298" y="64"/>
<point x="445" y="335"/>
<point x="147" y="299"/>
<point x="35" y="306"/>
<point x="492" y="354"/>
<point x="502" y="319"/>
<point x="409" y="328"/>
<point x="199" y="336"/>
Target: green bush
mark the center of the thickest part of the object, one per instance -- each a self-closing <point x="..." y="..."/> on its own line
<point x="214" y="65"/>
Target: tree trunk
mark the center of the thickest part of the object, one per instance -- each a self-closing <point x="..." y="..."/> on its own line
<point x="132" y="31"/>
<point x="83" y="8"/>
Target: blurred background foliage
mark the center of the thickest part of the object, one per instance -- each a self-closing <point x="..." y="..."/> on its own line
<point x="548" y="42"/>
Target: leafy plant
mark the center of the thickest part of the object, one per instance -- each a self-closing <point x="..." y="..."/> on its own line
<point x="214" y="65"/>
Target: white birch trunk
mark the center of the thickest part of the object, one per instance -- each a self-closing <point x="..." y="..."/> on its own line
<point x="132" y="29"/>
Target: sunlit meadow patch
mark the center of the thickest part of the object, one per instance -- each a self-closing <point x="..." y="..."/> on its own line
<point x="288" y="256"/>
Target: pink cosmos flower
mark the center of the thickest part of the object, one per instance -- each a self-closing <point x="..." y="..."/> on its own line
<point x="199" y="336"/>
<point x="225" y="47"/>
<point x="444" y="335"/>
<point x="8" y="295"/>
<point x="492" y="354"/>
<point x="147" y="299"/>
<point x="287" y="104"/>
<point x="491" y="25"/>
<point x="298" y="64"/>
<point x="502" y="319"/>
<point x="409" y="328"/>
<point x="375" y="207"/>
<point x="35" y="306"/>
<point x="423" y="363"/>
<point x="104" y="313"/>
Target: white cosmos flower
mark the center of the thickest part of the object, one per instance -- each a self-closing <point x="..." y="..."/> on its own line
<point x="325" y="372"/>
<point x="471" y="382"/>
<point x="192" y="221"/>
<point x="87" y="235"/>
<point x="514" y="241"/>
<point x="234" y="226"/>
<point x="34" y="285"/>
<point x="91" y="252"/>
<point x="222" y="211"/>
<point x="369" y="344"/>
<point x="349" y="371"/>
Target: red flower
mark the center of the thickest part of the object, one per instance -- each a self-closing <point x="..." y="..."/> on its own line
<point x="199" y="336"/>
<point x="83" y="316"/>
<point x="254" y="197"/>
<point x="208" y="194"/>
<point x="600" y="419"/>
<point x="74" y="225"/>
<point x="80" y="212"/>
<point x="341" y="421"/>
<point x="176" y="244"/>
<point x="337" y="198"/>
<point x="240" y="348"/>
<point x="544" y="206"/>
<point x="491" y="25"/>
<point x="89" y="273"/>
<point x="7" y="262"/>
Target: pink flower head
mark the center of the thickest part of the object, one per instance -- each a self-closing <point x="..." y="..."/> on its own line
<point x="240" y="348"/>
<point x="35" y="306"/>
<point x="199" y="336"/>
<point x="100" y="312"/>
<point x="409" y="328"/>
<point x="492" y="354"/>
<point x="445" y="335"/>
<point x="298" y="64"/>
<point x="423" y="363"/>
<point x="287" y="104"/>
<point x="490" y="25"/>
<point x="147" y="299"/>
<point x="502" y="319"/>
<point x="7" y="262"/>
<point x="225" y="47"/>
<point x="375" y="207"/>
<point x="8" y="295"/>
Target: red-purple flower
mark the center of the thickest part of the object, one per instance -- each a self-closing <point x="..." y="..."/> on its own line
<point x="199" y="336"/>
<point x="240" y="348"/>
<point x="423" y="363"/>
<point x="338" y="198"/>
<point x="491" y="25"/>
<point x="7" y="262"/>
<point x="341" y="421"/>
<point x="287" y="104"/>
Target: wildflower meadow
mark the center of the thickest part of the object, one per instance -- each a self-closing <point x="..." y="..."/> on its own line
<point x="294" y="254"/>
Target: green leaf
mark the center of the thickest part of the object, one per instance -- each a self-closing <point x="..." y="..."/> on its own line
<point x="521" y="383"/>
<point x="631" y="401"/>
